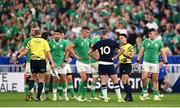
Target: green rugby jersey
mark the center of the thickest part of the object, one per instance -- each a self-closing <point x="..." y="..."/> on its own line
<point x="151" y="50"/>
<point x="58" y="51"/>
<point x="24" y="44"/>
<point x="82" y="48"/>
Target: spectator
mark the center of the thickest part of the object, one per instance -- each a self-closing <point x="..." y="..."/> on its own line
<point x="18" y="16"/>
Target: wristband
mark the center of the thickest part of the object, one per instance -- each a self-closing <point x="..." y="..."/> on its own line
<point x="17" y="56"/>
<point x="50" y="63"/>
<point x="65" y="60"/>
<point x="137" y="61"/>
<point x="166" y="63"/>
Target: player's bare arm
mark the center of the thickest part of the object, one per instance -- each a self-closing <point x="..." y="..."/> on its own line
<point x="71" y="50"/>
<point x="49" y="57"/>
<point x="120" y="51"/>
<point x="93" y="55"/>
<point x="163" y="53"/>
<point x="24" y="52"/>
<point x="141" y="52"/>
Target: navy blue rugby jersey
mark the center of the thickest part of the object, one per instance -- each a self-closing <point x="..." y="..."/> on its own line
<point x="106" y="49"/>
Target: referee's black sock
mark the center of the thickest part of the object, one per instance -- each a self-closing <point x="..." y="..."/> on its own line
<point x="130" y="91"/>
<point x="40" y="87"/>
<point x="126" y="89"/>
<point x="31" y="85"/>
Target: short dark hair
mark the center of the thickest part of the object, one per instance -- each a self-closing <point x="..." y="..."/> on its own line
<point x="59" y="31"/>
<point x="123" y="34"/>
<point x="45" y="35"/>
<point x="104" y="31"/>
<point x="85" y="28"/>
<point x="151" y="30"/>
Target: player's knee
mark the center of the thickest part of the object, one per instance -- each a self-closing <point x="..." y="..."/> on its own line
<point x="144" y="77"/>
<point x="28" y="78"/>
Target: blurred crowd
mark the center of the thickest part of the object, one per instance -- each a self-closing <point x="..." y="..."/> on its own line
<point x="133" y="17"/>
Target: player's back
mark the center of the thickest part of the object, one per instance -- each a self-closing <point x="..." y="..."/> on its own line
<point x="106" y="49"/>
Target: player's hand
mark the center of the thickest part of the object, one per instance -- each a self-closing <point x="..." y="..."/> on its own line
<point x="77" y="57"/>
<point x="114" y="58"/>
<point x="52" y="66"/>
<point x="14" y="60"/>
<point x="136" y="65"/>
<point x="121" y="49"/>
<point x="69" y="60"/>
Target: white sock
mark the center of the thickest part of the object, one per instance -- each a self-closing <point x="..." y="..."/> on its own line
<point x="65" y="92"/>
<point x="118" y="92"/>
<point x="104" y="91"/>
<point x="54" y="90"/>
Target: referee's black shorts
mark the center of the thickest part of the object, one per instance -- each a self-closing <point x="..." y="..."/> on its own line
<point x="106" y="70"/>
<point x="38" y="66"/>
<point x="124" y="69"/>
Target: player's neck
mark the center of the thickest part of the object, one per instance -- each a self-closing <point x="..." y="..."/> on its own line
<point x="57" y="40"/>
<point x="83" y="37"/>
<point x="124" y="43"/>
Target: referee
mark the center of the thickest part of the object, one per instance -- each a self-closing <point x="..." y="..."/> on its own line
<point x="39" y="49"/>
<point x="125" y="67"/>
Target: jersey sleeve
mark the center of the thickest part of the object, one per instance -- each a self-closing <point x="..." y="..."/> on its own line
<point x="143" y="44"/>
<point x="131" y="49"/>
<point x="95" y="46"/>
<point x="28" y="45"/>
<point x="75" y="42"/>
<point x="24" y="44"/>
<point x="161" y="45"/>
<point x="66" y="43"/>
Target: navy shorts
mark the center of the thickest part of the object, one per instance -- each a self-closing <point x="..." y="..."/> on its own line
<point x="106" y="70"/>
<point x="38" y="66"/>
<point x="124" y="69"/>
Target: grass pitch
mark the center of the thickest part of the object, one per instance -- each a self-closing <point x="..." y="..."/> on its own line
<point x="17" y="100"/>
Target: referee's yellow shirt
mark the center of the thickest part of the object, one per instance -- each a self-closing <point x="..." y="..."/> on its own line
<point x="128" y="48"/>
<point x="38" y="48"/>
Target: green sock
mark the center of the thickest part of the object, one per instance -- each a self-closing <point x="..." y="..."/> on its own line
<point x="71" y="88"/>
<point x="35" y="86"/>
<point x="55" y="88"/>
<point x="144" y="90"/>
<point x="60" y="90"/>
<point x="101" y="93"/>
<point x="84" y="89"/>
<point x="80" y="88"/>
<point x="147" y="83"/>
<point x="156" y="92"/>
<point x="46" y="89"/>
<point x="93" y="86"/>
<point x="26" y="89"/>
<point x="151" y="86"/>
<point x="63" y="86"/>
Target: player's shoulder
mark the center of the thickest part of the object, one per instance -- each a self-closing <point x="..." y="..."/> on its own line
<point x="159" y="41"/>
<point x="128" y="45"/>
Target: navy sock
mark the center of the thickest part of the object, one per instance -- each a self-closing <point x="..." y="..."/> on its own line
<point x="40" y="87"/>
<point x="126" y="88"/>
<point x="129" y="91"/>
<point x="31" y="85"/>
